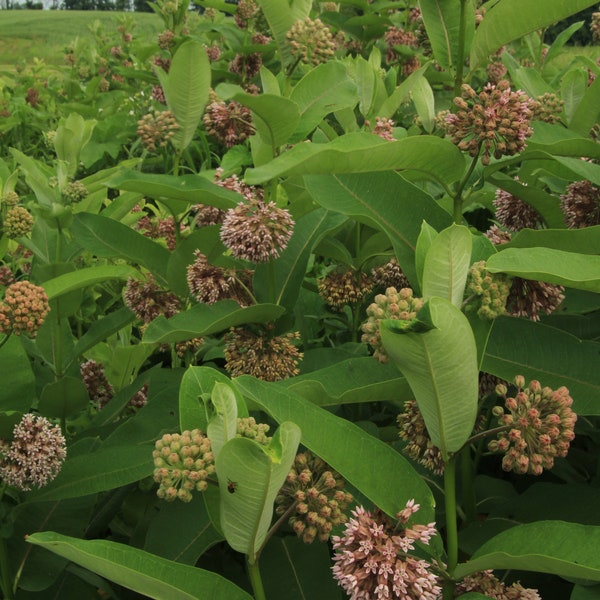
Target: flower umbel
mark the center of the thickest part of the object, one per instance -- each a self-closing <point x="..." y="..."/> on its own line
<point x="492" y="290"/>
<point x="24" y="309"/>
<point x="539" y="427"/>
<point x="18" y="222"/>
<point x="183" y="463"/>
<point x="580" y="204"/>
<point x="486" y="583"/>
<point x="35" y="455"/>
<point x="340" y="288"/>
<point x="147" y="300"/>
<point x="311" y="41"/>
<point x="373" y="560"/>
<point x="155" y="130"/>
<point x="314" y="493"/>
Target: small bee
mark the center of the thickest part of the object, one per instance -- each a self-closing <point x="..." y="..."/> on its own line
<point x="231" y="486"/>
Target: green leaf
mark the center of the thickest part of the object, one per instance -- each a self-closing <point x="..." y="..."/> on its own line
<point x="186" y="88"/>
<point x="107" y="238"/>
<point x="140" y="571"/>
<point x="223" y="425"/>
<point x="552" y="356"/>
<point x="256" y="473"/>
<point x="586" y="112"/>
<point x="72" y="134"/>
<point x="447" y="265"/>
<point x="571" y="269"/>
<point x="500" y="25"/>
<point x="290" y="268"/>
<point x="275" y="117"/>
<point x="76" y="280"/>
<point x="555" y="547"/>
<point x="572" y="89"/>
<point x="442" y="23"/>
<point x="385" y="201"/>
<point x="424" y="103"/>
<point x="424" y="241"/>
<point x="441" y="368"/>
<point x="323" y="90"/>
<point x="365" y="77"/>
<point x="364" y="461"/>
<point x="18" y="390"/>
<point x="364" y="152"/>
<point x="585" y="240"/>
<point x="355" y="380"/>
<point x="36" y="176"/>
<point x="585" y="592"/>
<point x="400" y="95"/>
<point x="189" y="189"/>
<point x="206" y="319"/>
<point x="63" y="398"/>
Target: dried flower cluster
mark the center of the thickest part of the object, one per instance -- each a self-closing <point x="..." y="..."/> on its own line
<point x="94" y="379"/>
<point x="155" y="130"/>
<point x="183" y="463"/>
<point x="230" y="122"/>
<point x="24" y="309"/>
<point x="391" y="305"/>
<point x="373" y="560"/>
<point x="491" y="289"/>
<point x="311" y="41"/>
<point x="18" y="222"/>
<point x="494" y="122"/>
<point x="514" y="214"/>
<point x="147" y="300"/>
<point x="313" y="492"/>
<point x="486" y="583"/>
<point x="270" y="358"/>
<point x="248" y="427"/>
<point x="256" y="231"/>
<point x="341" y="288"/>
<point x="539" y="426"/>
<point x="580" y="204"/>
<point x="34" y="456"/>
<point x="419" y="446"/>
<point x="388" y="275"/>
<point x="75" y="191"/>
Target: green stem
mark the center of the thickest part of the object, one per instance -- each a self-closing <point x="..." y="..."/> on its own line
<point x="5" y="580"/>
<point x="6" y="338"/>
<point x="255" y="580"/>
<point x="272" y="290"/>
<point x="467" y="484"/>
<point x="460" y="57"/>
<point x="176" y="163"/>
<point x="451" y="525"/>
<point x="458" y="196"/>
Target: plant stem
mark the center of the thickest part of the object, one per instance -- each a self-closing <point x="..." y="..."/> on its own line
<point x="458" y="196"/>
<point x="451" y="526"/>
<point x="255" y="580"/>
<point x="460" y="58"/>
<point x="468" y="488"/>
<point x="487" y="433"/>
<point x="4" y="568"/>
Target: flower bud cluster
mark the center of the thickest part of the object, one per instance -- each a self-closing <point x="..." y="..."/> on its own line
<point x="75" y="191"/>
<point x="492" y="290"/>
<point x="183" y="464"/>
<point x="311" y="41"/>
<point x="419" y="445"/>
<point x="486" y="583"/>
<point x="34" y="456"/>
<point x="166" y="39"/>
<point x="245" y="13"/>
<point x="373" y="557"/>
<point x="341" y="288"/>
<point x="99" y="388"/>
<point x="18" y="222"/>
<point x="248" y="427"/>
<point x="514" y="214"/>
<point x="580" y="204"/>
<point x="494" y="122"/>
<point x="147" y="300"/>
<point x="230" y="122"/>
<point x="595" y="27"/>
<point x="24" y="309"/>
<point x="539" y="426"/>
<point x="270" y="358"/>
<point x="11" y="198"/>
<point x="548" y="108"/>
<point x="256" y="230"/>
<point x="155" y="130"/>
<point x="389" y="275"/>
<point x="313" y="492"/>
<point x="391" y="305"/>
<point x="395" y="36"/>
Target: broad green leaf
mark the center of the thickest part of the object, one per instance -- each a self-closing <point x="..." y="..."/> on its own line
<point x="585" y="240"/>
<point x="257" y="473"/>
<point x="275" y="117"/>
<point x="36" y="176"/>
<point x="400" y="95"/>
<point x="355" y="380"/>
<point x="385" y="201"/>
<point x="424" y="103"/>
<point x="555" y="547"/>
<point x="424" y="241"/>
<point x="290" y="268"/>
<point x="223" y="425"/>
<point x="557" y="140"/>
<point x="322" y="91"/>
<point x="440" y="365"/>
<point x="18" y="390"/>
<point x="196" y="385"/>
<point x="63" y="398"/>
<point x="447" y="264"/>
<point x="585" y="592"/>
<point x="107" y="238"/>
<point x="585" y="114"/>
<point x="63" y="284"/>
<point x="572" y="89"/>
<point x="552" y="356"/>
<point x="571" y="269"/>
<point x="500" y="25"/>
<point x="442" y="23"/>
<point x="364" y="152"/>
<point x="365" y="77"/>
<point x="189" y="189"/>
<point x="561" y="39"/>
<point x="364" y="461"/>
<point x="140" y="571"/>
<point x="186" y="88"/>
<point x="72" y="134"/>
<point x="206" y="319"/>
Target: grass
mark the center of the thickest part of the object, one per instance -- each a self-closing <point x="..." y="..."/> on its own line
<point x="44" y="34"/>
